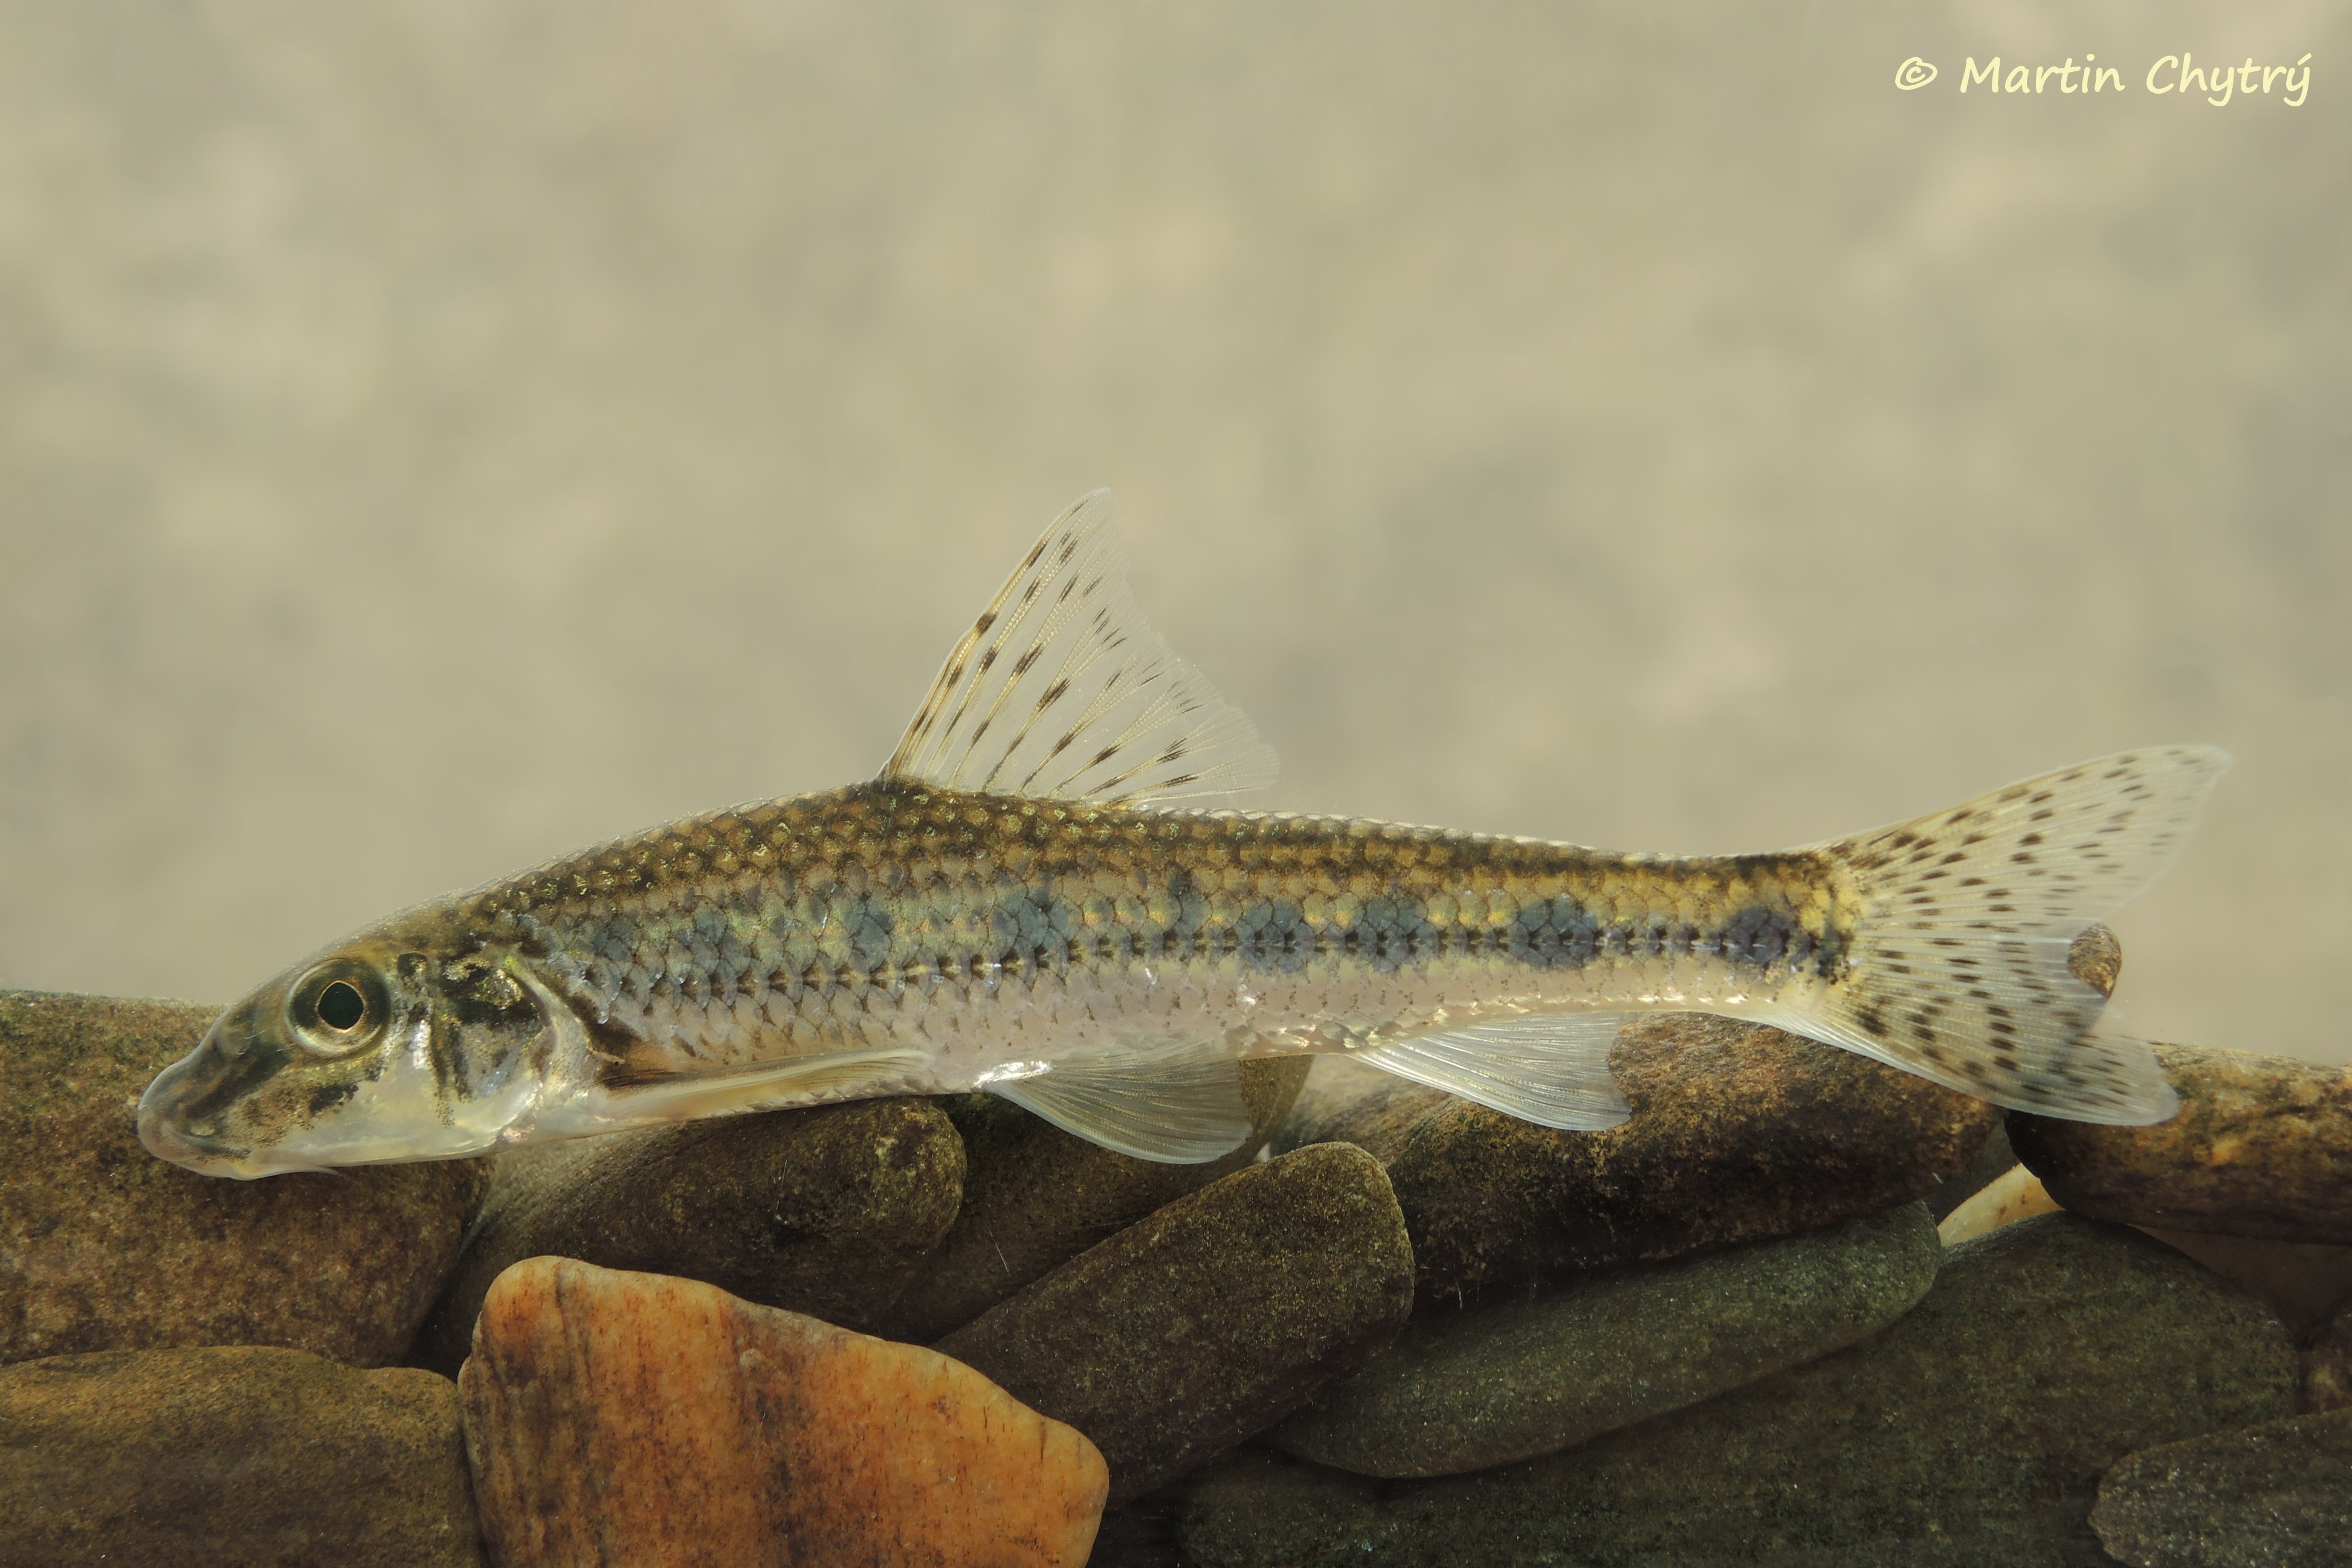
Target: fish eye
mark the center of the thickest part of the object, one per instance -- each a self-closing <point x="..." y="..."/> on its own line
<point x="338" y="1007"/>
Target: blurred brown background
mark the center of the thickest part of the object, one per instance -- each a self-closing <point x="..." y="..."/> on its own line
<point x="434" y="436"/>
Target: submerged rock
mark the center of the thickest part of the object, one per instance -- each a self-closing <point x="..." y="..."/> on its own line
<point x="2263" y="1147"/>
<point x="1739" y="1133"/>
<point x="1973" y="1431"/>
<point x="1035" y="1197"/>
<point x="2328" y="1365"/>
<point x="1346" y="1102"/>
<point x="626" y="1419"/>
<point x="104" y="1246"/>
<point x="239" y="1456"/>
<point x="1210" y="1318"/>
<point x="2306" y="1284"/>
<point x="2275" y="1496"/>
<point x="828" y="1211"/>
<point x="1468" y="1390"/>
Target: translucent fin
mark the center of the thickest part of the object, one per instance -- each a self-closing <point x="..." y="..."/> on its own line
<point x="1552" y="1068"/>
<point x="642" y="1101"/>
<point x="1061" y="689"/>
<point x="1185" y="1114"/>
<point x="1957" y="967"/>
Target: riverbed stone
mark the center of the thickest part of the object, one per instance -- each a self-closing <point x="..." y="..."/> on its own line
<point x="624" y="1417"/>
<point x="829" y="1211"/>
<point x="1344" y="1100"/>
<point x="105" y="1246"/>
<point x="1973" y="1431"/>
<point x="1035" y="1197"/>
<point x="1467" y="1390"/>
<point x="1738" y="1132"/>
<point x="2328" y="1365"/>
<point x="1210" y="1318"/>
<point x="2277" y="1495"/>
<point x="2262" y="1146"/>
<point x="243" y="1457"/>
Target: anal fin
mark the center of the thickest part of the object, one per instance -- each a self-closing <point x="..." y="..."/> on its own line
<point x="1185" y="1113"/>
<point x="1552" y="1068"/>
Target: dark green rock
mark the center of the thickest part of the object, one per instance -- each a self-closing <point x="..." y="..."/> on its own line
<point x="1035" y="1197"/>
<point x="1738" y="1132"/>
<point x="1973" y="1431"/>
<point x="828" y="1211"/>
<point x="1212" y="1318"/>
<point x="2275" y="1496"/>
<point x="2262" y="1146"/>
<point x="240" y="1456"/>
<point x="1470" y="1390"/>
<point x="104" y="1246"/>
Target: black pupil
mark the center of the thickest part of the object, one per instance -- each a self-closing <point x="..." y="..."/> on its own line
<point x="341" y="1006"/>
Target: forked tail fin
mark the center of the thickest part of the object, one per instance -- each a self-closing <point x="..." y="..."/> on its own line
<point x="1957" y="966"/>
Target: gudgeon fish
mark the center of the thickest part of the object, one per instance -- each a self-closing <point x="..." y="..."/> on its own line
<point x="1014" y="905"/>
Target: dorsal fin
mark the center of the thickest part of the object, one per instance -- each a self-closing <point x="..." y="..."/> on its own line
<point x="1063" y="690"/>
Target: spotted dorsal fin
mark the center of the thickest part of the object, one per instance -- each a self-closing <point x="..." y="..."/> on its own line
<point x="1063" y="690"/>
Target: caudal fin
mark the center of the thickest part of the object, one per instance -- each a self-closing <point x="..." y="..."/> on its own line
<point x="1957" y="967"/>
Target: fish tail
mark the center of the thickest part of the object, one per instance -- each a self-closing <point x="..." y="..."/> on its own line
<point x="1955" y="966"/>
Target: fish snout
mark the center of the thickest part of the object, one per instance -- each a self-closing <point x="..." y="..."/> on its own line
<point x="166" y="1123"/>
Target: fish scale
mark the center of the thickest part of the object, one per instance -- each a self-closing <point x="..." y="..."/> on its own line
<point x="984" y="908"/>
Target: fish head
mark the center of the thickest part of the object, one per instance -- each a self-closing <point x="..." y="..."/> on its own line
<point x="408" y="1041"/>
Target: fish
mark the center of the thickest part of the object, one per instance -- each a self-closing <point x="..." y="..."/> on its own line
<point x="1037" y="898"/>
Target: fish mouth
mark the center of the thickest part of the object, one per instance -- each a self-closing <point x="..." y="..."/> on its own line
<point x="165" y="1127"/>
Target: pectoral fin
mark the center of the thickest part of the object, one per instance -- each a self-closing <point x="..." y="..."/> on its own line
<point x="639" y="1100"/>
<point x="1182" y="1115"/>
<point x="1552" y="1068"/>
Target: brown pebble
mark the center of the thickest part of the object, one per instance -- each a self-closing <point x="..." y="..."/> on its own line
<point x="2262" y="1146"/>
<point x="1035" y="1197"/>
<point x="108" y="1248"/>
<point x="1212" y="1318"/>
<point x="2328" y="1365"/>
<point x="1738" y="1132"/>
<point x="828" y="1211"/>
<point x="231" y="1457"/>
<point x="636" y="1418"/>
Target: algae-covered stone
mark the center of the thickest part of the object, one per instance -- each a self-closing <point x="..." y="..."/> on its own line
<point x="1035" y="1197"/>
<point x="1469" y="1390"/>
<point x="243" y="1457"/>
<point x="626" y="1419"/>
<point x="827" y="1211"/>
<point x="2262" y="1146"/>
<point x="104" y="1246"/>
<point x="1738" y="1132"/>
<point x="1973" y="1431"/>
<point x="2278" y="1495"/>
<point x="1210" y="1320"/>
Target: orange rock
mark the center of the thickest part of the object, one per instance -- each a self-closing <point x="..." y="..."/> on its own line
<point x="615" y="1417"/>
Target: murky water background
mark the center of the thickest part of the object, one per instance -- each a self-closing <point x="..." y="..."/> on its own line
<point x="434" y="438"/>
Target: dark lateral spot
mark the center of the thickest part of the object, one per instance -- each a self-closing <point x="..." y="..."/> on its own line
<point x="1555" y="932"/>
<point x="1273" y="934"/>
<point x="1390" y="932"/>
<point x="1032" y="928"/>
<point x="327" y="1096"/>
<point x="1758" y="935"/>
<point x="866" y="927"/>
